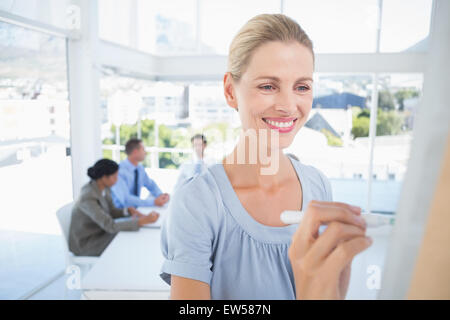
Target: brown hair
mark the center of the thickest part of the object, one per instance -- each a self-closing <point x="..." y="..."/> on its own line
<point x="199" y="136"/>
<point x="132" y="144"/>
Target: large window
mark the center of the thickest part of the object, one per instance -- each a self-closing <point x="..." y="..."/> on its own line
<point x="398" y="99"/>
<point x="35" y="171"/>
<point x="165" y="115"/>
<point x="35" y="165"/>
<point x="178" y="27"/>
<point x="155" y="112"/>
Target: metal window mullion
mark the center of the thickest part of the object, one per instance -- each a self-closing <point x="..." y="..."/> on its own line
<point x="372" y="135"/>
<point x="373" y="114"/>
<point x="155" y="155"/>
<point x="139" y="128"/>
<point x="116" y="155"/>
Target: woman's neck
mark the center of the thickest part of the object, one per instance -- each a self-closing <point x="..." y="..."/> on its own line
<point x="100" y="185"/>
<point x="250" y="173"/>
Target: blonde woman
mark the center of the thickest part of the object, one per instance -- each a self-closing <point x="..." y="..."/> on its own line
<point x="223" y="238"/>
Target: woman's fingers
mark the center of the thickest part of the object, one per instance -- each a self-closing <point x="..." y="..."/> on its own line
<point x="355" y="209"/>
<point x="345" y="251"/>
<point x="324" y="261"/>
<point x="319" y="213"/>
<point x="335" y="233"/>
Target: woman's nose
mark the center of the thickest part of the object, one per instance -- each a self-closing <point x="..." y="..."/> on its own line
<point x="286" y="102"/>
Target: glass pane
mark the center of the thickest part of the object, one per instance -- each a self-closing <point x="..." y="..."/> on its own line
<point x="405" y="25"/>
<point x="34" y="130"/>
<point x="399" y="95"/>
<point x="35" y="172"/>
<point x="135" y="108"/>
<point x="170" y="160"/>
<point x="331" y="138"/>
<point x="122" y="105"/>
<point x="209" y="114"/>
<point x="207" y="104"/>
<point x="221" y="20"/>
<point x="346" y="26"/>
<point x="167" y="27"/>
<point x="114" y="21"/>
<point x="51" y="12"/>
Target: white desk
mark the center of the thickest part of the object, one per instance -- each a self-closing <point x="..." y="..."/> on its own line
<point x="128" y="269"/>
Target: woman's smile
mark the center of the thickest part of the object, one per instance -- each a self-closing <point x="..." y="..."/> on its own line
<point x="283" y="125"/>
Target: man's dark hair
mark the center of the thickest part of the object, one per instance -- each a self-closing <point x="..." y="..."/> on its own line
<point x="132" y="144"/>
<point x="199" y="136"/>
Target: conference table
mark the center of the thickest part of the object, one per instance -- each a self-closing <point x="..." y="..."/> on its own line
<point x="129" y="267"/>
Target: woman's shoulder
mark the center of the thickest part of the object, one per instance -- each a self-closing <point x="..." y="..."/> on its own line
<point x="88" y="191"/>
<point x="200" y="183"/>
<point x="199" y="195"/>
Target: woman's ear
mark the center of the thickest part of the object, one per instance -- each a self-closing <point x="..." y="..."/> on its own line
<point x="229" y="92"/>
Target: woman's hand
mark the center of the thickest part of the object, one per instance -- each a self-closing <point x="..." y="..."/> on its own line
<point x="321" y="264"/>
<point x="150" y="218"/>
<point x="135" y="213"/>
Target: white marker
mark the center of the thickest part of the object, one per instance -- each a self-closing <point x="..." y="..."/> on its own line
<point x="373" y="220"/>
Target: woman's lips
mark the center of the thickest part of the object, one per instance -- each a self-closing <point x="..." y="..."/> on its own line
<point x="283" y="125"/>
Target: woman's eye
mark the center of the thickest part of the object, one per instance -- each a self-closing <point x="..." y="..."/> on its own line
<point x="266" y="87"/>
<point x="270" y="87"/>
<point x="304" y="88"/>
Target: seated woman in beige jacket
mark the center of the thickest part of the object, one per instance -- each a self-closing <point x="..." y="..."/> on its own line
<point x="95" y="220"/>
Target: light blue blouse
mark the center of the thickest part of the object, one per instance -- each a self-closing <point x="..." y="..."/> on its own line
<point x="209" y="236"/>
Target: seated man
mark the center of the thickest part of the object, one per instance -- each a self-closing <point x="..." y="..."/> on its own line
<point x="132" y="177"/>
<point x="199" y="162"/>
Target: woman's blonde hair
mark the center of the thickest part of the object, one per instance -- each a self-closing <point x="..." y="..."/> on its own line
<point x="259" y="30"/>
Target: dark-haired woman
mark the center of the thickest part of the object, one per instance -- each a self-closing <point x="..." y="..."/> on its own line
<point x="95" y="219"/>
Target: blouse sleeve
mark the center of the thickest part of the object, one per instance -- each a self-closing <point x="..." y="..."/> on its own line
<point x="188" y="232"/>
<point x="326" y="186"/>
<point x="319" y="183"/>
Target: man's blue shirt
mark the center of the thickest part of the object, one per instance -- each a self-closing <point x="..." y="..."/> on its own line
<point x="122" y="191"/>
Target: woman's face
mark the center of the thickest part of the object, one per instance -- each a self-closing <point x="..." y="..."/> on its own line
<point x="110" y="180"/>
<point x="275" y="91"/>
